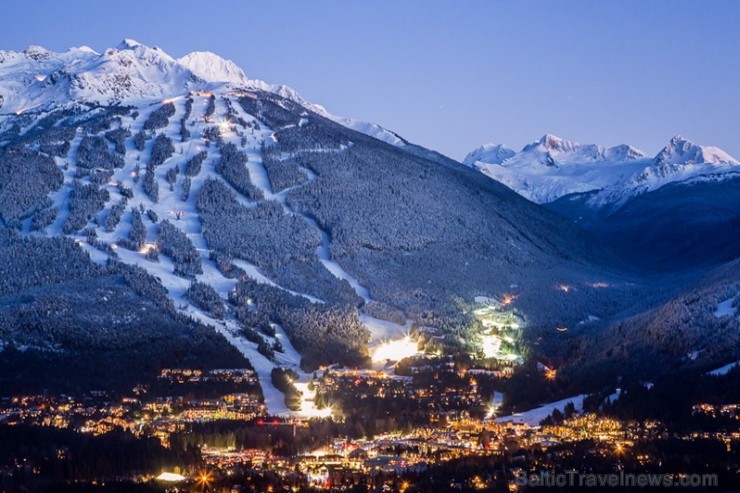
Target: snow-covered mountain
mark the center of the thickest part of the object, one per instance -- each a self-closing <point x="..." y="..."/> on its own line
<point x="132" y="72"/>
<point x="552" y="167"/>
<point x="36" y="77"/>
<point x="211" y="67"/>
<point x="489" y="153"/>
<point x="237" y="205"/>
<point x="681" y="161"/>
<point x="681" y="151"/>
<point x="164" y="208"/>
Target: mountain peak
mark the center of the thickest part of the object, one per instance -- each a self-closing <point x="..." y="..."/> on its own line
<point x="213" y="68"/>
<point x="623" y="152"/>
<point x="552" y="141"/>
<point x="85" y="49"/>
<point x="683" y="151"/>
<point x="37" y="52"/>
<point x="128" y="44"/>
<point x="489" y="153"/>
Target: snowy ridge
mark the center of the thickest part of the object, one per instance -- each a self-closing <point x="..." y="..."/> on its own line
<point x="551" y="150"/>
<point x="367" y="128"/>
<point x="131" y="73"/>
<point x="680" y="161"/>
<point x="211" y="67"/>
<point x="552" y="167"/>
<point x="682" y="151"/>
<point x="128" y="73"/>
<point x="371" y="129"/>
<point x="489" y="153"/>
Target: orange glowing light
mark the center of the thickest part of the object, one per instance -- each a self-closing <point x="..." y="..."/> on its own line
<point x="204" y="479"/>
<point x="147" y="247"/>
<point x="507" y="299"/>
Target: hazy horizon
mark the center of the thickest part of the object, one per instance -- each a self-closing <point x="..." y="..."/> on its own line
<point x="452" y="78"/>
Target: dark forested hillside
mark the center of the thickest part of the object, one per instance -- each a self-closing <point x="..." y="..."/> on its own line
<point x="420" y="230"/>
<point x="679" y="227"/>
<point x="67" y="323"/>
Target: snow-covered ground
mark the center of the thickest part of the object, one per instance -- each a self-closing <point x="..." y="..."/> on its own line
<point x="724" y="370"/>
<point x="322" y="251"/>
<point x="534" y="416"/>
<point x="384" y="329"/>
<point x="589" y="319"/>
<point x="725" y="308"/>
<point x="614" y="396"/>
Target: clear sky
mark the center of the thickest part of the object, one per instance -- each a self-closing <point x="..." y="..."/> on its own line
<point x="451" y="75"/>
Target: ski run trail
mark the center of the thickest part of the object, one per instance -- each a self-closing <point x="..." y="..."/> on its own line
<point x="183" y="215"/>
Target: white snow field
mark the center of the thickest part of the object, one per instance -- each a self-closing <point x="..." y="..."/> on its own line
<point x="534" y="416"/>
<point x="724" y="370"/>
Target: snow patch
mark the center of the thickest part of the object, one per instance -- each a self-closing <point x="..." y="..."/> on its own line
<point x="211" y="67"/>
<point x="533" y="417"/>
<point x="725" y="309"/>
<point x="724" y="370"/>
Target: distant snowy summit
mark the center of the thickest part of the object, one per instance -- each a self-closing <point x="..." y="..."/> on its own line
<point x="211" y="67"/>
<point x="489" y="154"/>
<point x="551" y="168"/>
<point x="551" y="150"/>
<point x="132" y="73"/>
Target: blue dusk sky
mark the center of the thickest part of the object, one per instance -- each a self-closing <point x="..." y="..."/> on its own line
<point x="451" y="75"/>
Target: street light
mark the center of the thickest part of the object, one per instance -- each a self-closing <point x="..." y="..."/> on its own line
<point x="204" y="480"/>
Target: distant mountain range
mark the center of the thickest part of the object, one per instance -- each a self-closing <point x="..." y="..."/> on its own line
<point x="674" y="211"/>
<point x="551" y="168"/>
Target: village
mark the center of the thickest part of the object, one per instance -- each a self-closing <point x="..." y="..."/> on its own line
<point x="240" y="447"/>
